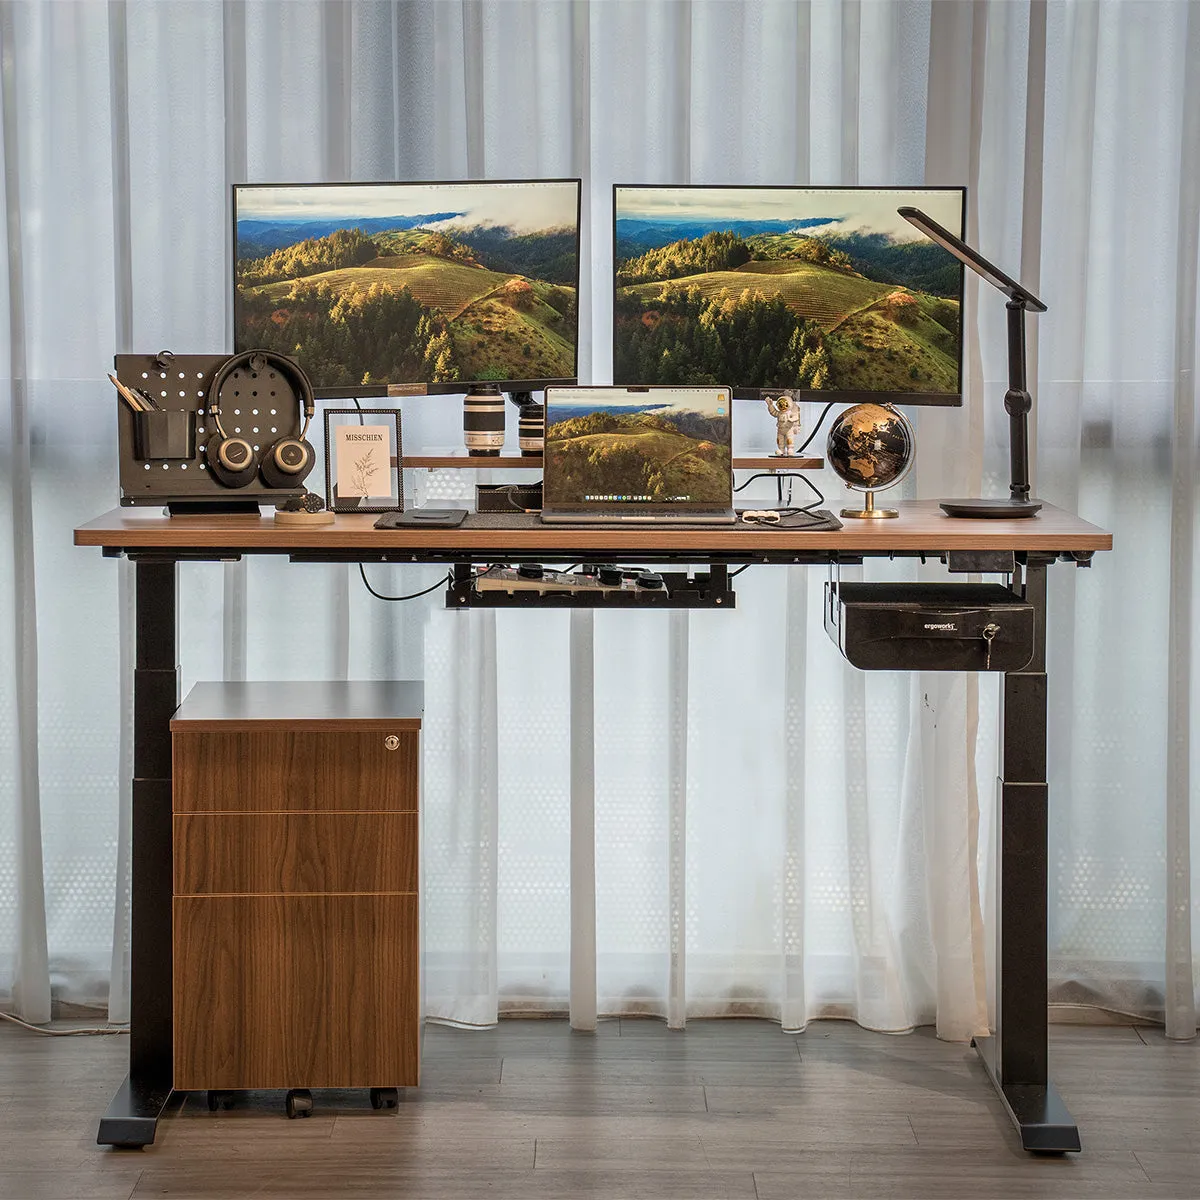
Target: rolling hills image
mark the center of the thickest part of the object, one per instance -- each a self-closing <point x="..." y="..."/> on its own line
<point x="844" y="295"/>
<point x="482" y="293"/>
<point x="648" y="452"/>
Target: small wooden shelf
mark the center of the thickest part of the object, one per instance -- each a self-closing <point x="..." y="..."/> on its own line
<point x="533" y="462"/>
<point x="485" y="462"/>
<point x="776" y="462"/>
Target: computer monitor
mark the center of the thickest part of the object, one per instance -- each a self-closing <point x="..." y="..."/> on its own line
<point x="406" y="287"/>
<point x="826" y="293"/>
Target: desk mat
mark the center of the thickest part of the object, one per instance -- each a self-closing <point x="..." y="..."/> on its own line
<point x="820" y="521"/>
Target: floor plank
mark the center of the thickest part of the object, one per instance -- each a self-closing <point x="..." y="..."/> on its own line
<point x="732" y="1110"/>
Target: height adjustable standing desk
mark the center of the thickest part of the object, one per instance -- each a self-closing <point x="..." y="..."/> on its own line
<point x="1015" y="1056"/>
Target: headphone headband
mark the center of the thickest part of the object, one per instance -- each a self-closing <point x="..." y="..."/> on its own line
<point x="266" y="358"/>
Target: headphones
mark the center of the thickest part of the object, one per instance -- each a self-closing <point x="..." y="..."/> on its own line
<point x="256" y="376"/>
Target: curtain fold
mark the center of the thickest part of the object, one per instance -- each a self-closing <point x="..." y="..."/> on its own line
<point x="690" y="814"/>
<point x="1180" y="988"/>
<point x="28" y="955"/>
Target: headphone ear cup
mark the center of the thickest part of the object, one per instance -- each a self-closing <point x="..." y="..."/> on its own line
<point x="287" y="462"/>
<point x="231" y="460"/>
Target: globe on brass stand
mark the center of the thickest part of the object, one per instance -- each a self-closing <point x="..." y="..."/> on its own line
<point x="870" y="447"/>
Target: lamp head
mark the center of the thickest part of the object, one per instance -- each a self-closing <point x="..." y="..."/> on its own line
<point x="980" y="265"/>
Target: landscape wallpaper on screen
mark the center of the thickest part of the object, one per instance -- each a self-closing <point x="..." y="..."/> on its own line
<point x="829" y="290"/>
<point x="410" y="283"/>
<point x="639" y="450"/>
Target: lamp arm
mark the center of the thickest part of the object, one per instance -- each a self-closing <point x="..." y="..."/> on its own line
<point x="1017" y="403"/>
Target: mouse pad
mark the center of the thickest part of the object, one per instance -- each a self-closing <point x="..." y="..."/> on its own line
<point x="818" y="521"/>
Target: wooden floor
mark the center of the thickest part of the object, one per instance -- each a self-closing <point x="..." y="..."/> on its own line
<point x="532" y="1111"/>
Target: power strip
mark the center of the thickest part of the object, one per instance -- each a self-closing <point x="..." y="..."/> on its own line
<point x="506" y="579"/>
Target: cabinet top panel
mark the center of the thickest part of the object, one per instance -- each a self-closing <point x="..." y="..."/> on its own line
<point x="358" y="702"/>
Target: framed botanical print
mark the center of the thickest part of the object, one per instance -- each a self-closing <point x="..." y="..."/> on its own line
<point x="363" y="466"/>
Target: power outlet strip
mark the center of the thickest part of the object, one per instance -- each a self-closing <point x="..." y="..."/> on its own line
<point x="506" y="579"/>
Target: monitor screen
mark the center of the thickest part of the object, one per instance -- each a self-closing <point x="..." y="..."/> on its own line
<point x="824" y="292"/>
<point x="378" y="285"/>
<point x="643" y="446"/>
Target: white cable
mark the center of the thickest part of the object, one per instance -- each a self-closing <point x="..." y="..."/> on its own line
<point x="61" y="1032"/>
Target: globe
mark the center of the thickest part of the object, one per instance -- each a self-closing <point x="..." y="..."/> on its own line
<point x="870" y="446"/>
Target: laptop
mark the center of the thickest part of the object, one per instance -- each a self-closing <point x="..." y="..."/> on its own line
<point x="617" y="455"/>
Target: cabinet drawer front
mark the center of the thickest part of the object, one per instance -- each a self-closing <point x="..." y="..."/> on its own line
<point x="295" y="852"/>
<point x="270" y="771"/>
<point x="296" y="991"/>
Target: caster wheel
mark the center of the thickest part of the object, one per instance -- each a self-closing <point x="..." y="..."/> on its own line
<point x="298" y="1103"/>
<point x="217" y="1100"/>
<point x="384" y="1098"/>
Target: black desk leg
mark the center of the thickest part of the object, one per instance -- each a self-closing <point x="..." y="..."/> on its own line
<point x="1016" y="1057"/>
<point x="133" y="1113"/>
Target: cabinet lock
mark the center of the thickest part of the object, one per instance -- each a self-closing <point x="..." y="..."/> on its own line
<point x="391" y="742"/>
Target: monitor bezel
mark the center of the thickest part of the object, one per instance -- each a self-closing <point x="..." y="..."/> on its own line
<point x="458" y="387"/>
<point x="844" y="396"/>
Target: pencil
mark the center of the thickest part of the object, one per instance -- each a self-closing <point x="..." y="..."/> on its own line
<point x="134" y="402"/>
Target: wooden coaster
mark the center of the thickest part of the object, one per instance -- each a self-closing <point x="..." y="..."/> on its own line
<point x="324" y="517"/>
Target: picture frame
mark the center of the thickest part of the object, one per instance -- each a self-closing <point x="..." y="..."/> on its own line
<point x="363" y="460"/>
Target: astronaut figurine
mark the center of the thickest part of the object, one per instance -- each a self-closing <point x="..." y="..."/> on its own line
<point x="787" y="423"/>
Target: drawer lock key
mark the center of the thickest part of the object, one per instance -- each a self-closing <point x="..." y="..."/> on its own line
<point x="989" y="632"/>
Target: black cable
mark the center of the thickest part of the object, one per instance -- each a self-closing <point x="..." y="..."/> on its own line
<point x="820" y="421"/>
<point x="779" y="477"/>
<point x="770" y="475"/>
<point x="735" y="574"/>
<point x="362" y="570"/>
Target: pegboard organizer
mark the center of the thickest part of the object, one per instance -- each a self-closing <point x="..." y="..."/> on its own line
<point x="161" y="455"/>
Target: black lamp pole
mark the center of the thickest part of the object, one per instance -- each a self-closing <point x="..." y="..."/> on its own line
<point x="1017" y="401"/>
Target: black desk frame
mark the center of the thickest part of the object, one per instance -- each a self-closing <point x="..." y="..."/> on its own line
<point x="1015" y="1057"/>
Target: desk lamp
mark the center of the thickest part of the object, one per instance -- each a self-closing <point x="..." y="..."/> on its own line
<point x="1017" y="402"/>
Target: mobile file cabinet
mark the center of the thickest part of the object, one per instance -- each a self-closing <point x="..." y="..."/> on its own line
<point x="296" y="899"/>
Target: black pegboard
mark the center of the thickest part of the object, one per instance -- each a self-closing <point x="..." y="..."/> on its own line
<point x="182" y="384"/>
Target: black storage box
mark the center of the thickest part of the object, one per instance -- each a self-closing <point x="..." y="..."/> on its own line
<point x="930" y="626"/>
<point x="508" y="497"/>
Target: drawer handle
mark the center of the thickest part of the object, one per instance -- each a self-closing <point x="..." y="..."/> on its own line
<point x="391" y="742"/>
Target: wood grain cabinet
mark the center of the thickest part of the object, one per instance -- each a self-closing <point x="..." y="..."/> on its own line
<point x="296" y="915"/>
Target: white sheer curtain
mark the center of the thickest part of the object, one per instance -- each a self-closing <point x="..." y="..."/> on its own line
<point x="685" y="814"/>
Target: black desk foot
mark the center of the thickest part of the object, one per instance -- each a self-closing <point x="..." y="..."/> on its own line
<point x="133" y="1114"/>
<point x="1037" y="1110"/>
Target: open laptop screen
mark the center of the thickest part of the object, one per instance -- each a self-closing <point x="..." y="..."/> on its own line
<point x="609" y="446"/>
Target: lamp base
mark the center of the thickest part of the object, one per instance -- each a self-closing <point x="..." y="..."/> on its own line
<point x="990" y="508"/>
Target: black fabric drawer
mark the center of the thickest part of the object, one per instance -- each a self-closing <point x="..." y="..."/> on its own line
<point x="929" y="626"/>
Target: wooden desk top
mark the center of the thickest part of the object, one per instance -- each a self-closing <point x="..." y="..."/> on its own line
<point x="921" y="528"/>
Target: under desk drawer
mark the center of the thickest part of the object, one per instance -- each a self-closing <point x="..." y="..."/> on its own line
<point x="276" y="770"/>
<point x="231" y="853"/>
<point x="930" y="626"/>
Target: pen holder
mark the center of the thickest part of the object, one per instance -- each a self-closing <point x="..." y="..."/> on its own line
<point x="170" y="433"/>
